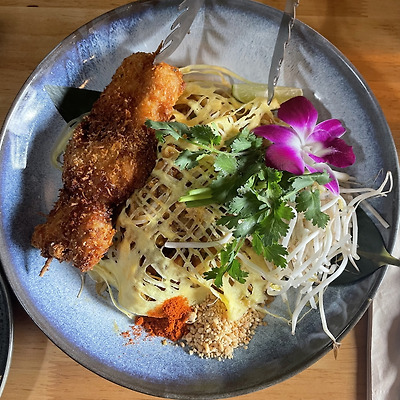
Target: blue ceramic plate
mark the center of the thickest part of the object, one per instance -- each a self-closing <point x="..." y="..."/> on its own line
<point x="6" y="333"/>
<point x="237" y="34"/>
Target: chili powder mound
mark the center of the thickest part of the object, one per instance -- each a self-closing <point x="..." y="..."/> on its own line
<point x="168" y="320"/>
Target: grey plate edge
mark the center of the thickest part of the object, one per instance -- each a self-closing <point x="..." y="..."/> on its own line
<point x="5" y="372"/>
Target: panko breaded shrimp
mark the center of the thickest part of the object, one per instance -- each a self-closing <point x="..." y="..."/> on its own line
<point x="110" y="154"/>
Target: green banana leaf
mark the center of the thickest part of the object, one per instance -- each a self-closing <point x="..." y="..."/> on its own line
<point x="71" y="102"/>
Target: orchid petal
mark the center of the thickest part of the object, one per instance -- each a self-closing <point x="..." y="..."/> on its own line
<point x="300" y="114"/>
<point x="284" y="158"/>
<point x="304" y="143"/>
<point x="319" y="136"/>
<point x="333" y="185"/>
<point x="335" y="152"/>
<point x="278" y="134"/>
<point x="333" y="127"/>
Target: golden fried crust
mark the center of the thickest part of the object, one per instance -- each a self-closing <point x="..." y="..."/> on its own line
<point x="109" y="169"/>
<point x="138" y="91"/>
<point x="75" y="231"/>
<point x="110" y="154"/>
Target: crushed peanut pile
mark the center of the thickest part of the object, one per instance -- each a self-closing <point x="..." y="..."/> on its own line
<point x="212" y="335"/>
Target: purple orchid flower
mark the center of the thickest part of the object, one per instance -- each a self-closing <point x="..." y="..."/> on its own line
<point x="304" y="144"/>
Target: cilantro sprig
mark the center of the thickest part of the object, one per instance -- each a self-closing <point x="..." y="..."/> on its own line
<point x="259" y="200"/>
<point x="229" y="264"/>
<point x="205" y="137"/>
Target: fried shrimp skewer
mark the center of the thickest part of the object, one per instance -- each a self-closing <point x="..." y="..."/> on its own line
<point x="110" y="154"/>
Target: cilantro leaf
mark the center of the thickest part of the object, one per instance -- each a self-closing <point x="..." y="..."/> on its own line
<point x="271" y="175"/>
<point x="244" y="213"/>
<point x="276" y="253"/>
<point x="275" y="224"/>
<point x="225" y="187"/>
<point x="236" y="272"/>
<point x="204" y="134"/>
<point x="309" y="202"/>
<point x="299" y="182"/>
<point x="230" y="221"/>
<point x="244" y="140"/>
<point x="189" y="159"/>
<point x="246" y="205"/>
<point x="274" y="190"/>
<point x="257" y="244"/>
<point x="246" y="226"/>
<point x="216" y="274"/>
<point x="229" y="264"/>
<point x="225" y="163"/>
<point x="176" y="129"/>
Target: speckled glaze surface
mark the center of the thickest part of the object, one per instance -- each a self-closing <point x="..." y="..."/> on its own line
<point x="239" y="35"/>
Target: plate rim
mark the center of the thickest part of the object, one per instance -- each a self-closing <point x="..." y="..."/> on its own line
<point x="9" y="312"/>
<point x="379" y="276"/>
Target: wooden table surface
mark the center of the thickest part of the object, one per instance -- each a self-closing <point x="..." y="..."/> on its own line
<point x="366" y="31"/>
